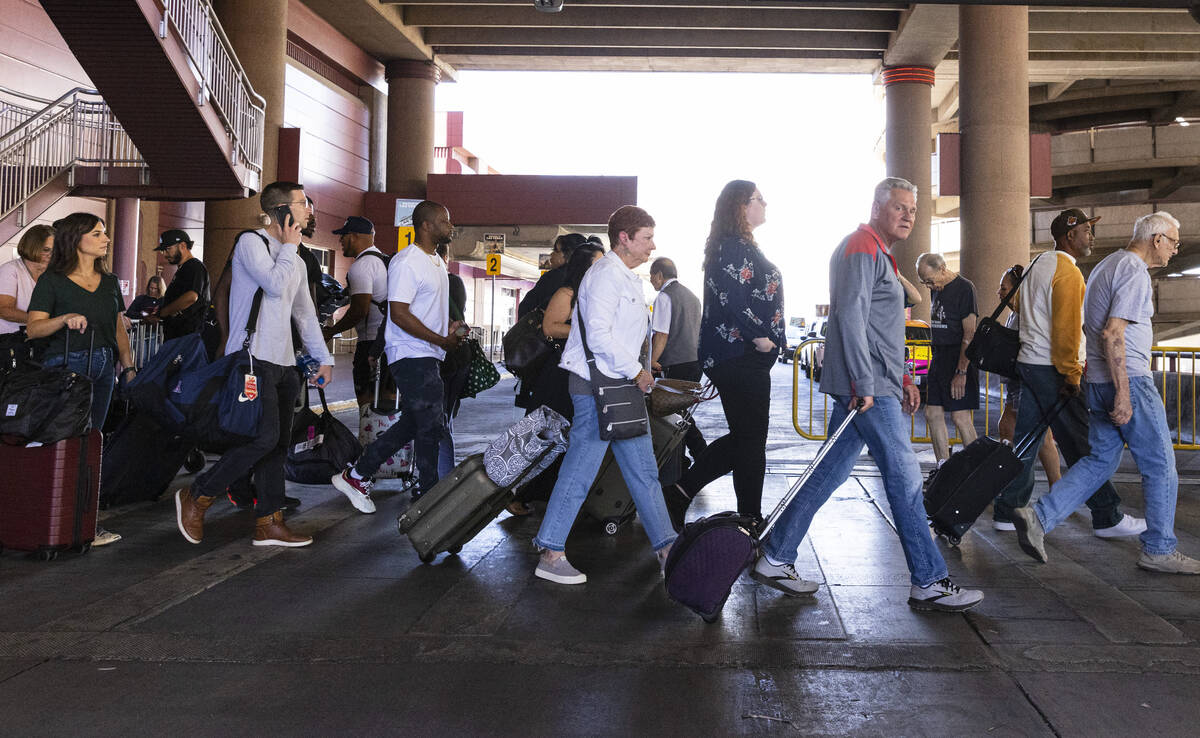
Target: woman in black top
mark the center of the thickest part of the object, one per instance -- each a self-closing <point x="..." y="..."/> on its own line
<point x="149" y="302"/>
<point x="77" y="293"/>
<point x="741" y="333"/>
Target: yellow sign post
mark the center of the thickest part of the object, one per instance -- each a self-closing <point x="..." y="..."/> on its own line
<point x="404" y="237"/>
<point x="493" y="264"/>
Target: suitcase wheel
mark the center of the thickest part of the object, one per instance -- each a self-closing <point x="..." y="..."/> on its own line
<point x="611" y="525"/>
<point x="454" y="551"/>
<point x="47" y="554"/>
<point x="427" y="558"/>
<point x="710" y="619"/>
<point x="194" y="461"/>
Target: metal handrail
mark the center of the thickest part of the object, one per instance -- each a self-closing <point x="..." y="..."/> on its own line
<point x="224" y="83"/>
<point x="70" y="130"/>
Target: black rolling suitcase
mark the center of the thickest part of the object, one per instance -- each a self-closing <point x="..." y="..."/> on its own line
<point x="711" y="553"/>
<point x="958" y="492"/>
<point x="609" y="500"/>
<point x="141" y="459"/>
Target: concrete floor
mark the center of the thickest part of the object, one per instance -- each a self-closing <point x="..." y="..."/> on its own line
<point x="354" y="636"/>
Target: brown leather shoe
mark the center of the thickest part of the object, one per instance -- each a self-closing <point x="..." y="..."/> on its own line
<point x="189" y="514"/>
<point x="270" y="531"/>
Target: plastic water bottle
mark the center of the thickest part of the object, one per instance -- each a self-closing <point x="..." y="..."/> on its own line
<point x="307" y="364"/>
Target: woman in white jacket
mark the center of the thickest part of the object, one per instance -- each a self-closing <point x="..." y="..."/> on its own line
<point x="611" y="302"/>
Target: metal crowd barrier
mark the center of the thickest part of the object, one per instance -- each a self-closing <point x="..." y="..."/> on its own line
<point x="1174" y="369"/>
<point x="144" y="341"/>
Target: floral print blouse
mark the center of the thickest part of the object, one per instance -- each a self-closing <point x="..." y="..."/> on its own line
<point x="743" y="300"/>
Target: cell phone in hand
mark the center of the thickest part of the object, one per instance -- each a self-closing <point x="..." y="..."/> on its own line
<point x="283" y="215"/>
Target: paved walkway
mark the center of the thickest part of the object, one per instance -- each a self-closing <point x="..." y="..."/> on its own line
<point x="354" y="636"/>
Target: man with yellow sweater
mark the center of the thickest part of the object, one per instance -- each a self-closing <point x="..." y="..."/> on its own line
<point x="1050" y="365"/>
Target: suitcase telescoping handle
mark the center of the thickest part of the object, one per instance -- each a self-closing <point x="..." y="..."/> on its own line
<point x="1026" y="442"/>
<point x="791" y="493"/>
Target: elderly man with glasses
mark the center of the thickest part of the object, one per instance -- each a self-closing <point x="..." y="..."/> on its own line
<point x="1126" y="407"/>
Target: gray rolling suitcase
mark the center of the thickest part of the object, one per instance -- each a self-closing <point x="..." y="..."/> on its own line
<point x="608" y="500"/>
<point x="460" y="505"/>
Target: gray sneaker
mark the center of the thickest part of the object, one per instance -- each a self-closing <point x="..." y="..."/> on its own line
<point x="559" y="571"/>
<point x="1030" y="533"/>
<point x="1172" y="563"/>
<point x="104" y="537"/>
<point x="944" y="595"/>
<point x="782" y="577"/>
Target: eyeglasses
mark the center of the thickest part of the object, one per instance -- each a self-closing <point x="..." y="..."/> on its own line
<point x="1174" y="241"/>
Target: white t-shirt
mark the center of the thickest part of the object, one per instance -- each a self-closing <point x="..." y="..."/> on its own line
<point x="419" y="279"/>
<point x="660" y="319"/>
<point x="15" y="281"/>
<point x="368" y="275"/>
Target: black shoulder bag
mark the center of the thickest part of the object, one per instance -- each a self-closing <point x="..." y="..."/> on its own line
<point x="620" y="403"/>
<point x="994" y="347"/>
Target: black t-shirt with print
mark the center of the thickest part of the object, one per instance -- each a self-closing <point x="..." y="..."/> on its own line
<point x="950" y="305"/>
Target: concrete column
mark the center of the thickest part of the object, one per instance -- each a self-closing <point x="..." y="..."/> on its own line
<point x="258" y="32"/>
<point x="994" y="123"/>
<point x="410" y="125"/>
<point x="377" y="138"/>
<point x="124" y="233"/>
<point x="909" y="152"/>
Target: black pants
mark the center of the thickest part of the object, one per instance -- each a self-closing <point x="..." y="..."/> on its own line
<point x="745" y="387"/>
<point x="278" y="388"/>
<point x="689" y="371"/>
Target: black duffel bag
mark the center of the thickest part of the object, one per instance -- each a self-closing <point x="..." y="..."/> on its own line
<point x="526" y="347"/>
<point x="46" y="405"/>
<point x="321" y="445"/>
<point x="994" y="347"/>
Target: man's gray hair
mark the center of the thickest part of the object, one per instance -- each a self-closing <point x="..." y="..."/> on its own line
<point x="1146" y="226"/>
<point x="883" y="190"/>
<point x="931" y="261"/>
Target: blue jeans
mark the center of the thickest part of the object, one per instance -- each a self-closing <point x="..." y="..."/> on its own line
<point x="419" y="382"/>
<point x="445" y="462"/>
<point x="885" y="430"/>
<point x="101" y="375"/>
<point x="1149" y="440"/>
<point x="635" y="456"/>
<point x="1039" y="386"/>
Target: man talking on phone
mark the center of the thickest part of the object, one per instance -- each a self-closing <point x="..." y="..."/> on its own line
<point x="265" y="259"/>
<point x="415" y="342"/>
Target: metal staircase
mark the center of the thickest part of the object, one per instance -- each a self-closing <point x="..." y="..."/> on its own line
<point x="50" y="148"/>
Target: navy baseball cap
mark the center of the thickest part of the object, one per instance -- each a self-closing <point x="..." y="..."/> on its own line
<point x="356" y="224"/>
<point x="172" y="237"/>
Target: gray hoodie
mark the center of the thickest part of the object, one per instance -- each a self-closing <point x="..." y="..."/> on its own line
<point x="864" y="342"/>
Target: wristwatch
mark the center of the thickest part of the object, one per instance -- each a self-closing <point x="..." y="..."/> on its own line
<point x="960" y="372"/>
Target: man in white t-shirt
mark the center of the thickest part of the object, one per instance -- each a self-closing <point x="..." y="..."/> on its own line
<point x="367" y="280"/>
<point x="416" y="340"/>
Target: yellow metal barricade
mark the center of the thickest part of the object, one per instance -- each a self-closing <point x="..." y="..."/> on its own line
<point x="1178" y="362"/>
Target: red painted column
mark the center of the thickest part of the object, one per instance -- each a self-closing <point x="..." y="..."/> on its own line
<point x="124" y="248"/>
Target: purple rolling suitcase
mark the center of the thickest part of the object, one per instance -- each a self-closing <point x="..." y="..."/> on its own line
<point x="711" y="553"/>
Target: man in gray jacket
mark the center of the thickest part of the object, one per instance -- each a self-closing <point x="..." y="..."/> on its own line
<point x="864" y="367"/>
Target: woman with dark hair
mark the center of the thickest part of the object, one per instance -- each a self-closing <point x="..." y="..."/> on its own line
<point x="741" y="333"/>
<point x="550" y="386"/>
<point x="77" y="293"/>
<point x="1048" y="454"/>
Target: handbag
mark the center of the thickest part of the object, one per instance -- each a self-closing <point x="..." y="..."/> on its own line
<point x="620" y="403"/>
<point x="47" y="404"/>
<point x="671" y="396"/>
<point x="994" y="347"/>
<point x="527" y="448"/>
<point x="321" y="445"/>
<point x="526" y="347"/>
<point x="483" y="375"/>
<point x="15" y="350"/>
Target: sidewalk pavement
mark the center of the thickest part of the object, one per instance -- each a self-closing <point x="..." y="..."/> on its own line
<point x="354" y="636"/>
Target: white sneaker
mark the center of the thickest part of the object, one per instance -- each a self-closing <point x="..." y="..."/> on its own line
<point x="782" y="577"/>
<point x="1129" y="526"/>
<point x="944" y="596"/>
<point x="358" y="491"/>
<point x="105" y="537"/>
<point x="1005" y="525"/>
<point x="559" y="571"/>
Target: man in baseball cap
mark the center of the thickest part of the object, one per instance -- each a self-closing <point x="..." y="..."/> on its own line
<point x="356" y="224"/>
<point x="366" y="280"/>
<point x="1050" y="364"/>
<point x="185" y="302"/>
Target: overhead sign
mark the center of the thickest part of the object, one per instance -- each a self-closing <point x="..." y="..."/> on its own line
<point x="494" y="242"/>
<point x="493" y="264"/>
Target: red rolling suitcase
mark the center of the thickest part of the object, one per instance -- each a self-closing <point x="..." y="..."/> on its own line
<point x="49" y="495"/>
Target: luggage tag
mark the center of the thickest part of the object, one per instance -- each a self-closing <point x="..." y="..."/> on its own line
<point x="249" y="388"/>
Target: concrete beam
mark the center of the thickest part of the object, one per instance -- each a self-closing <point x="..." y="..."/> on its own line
<point x="926" y="34"/>
<point x="1096" y="105"/>
<point x="1054" y="90"/>
<point x="948" y="107"/>
<point x="379" y="29"/>
<point x="659" y="60"/>
<point x="1077" y="20"/>
<point x="1186" y="104"/>
<point x="445" y="38"/>
<point x="762" y="18"/>
<point x="1182" y="178"/>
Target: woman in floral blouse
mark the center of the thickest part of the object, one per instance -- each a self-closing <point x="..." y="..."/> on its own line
<point x="741" y="333"/>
